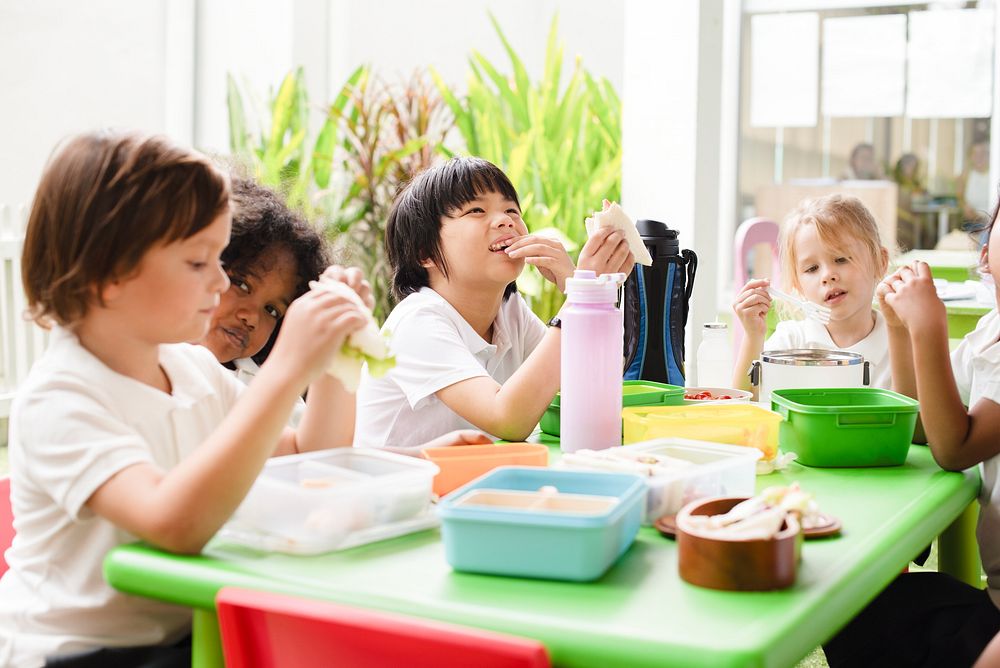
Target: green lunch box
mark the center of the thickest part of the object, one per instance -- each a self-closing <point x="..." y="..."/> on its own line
<point x="841" y="427"/>
<point x="634" y="393"/>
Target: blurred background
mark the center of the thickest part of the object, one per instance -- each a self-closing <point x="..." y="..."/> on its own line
<point x="698" y="114"/>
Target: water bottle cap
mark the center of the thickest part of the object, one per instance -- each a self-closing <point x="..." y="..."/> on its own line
<point x="587" y="287"/>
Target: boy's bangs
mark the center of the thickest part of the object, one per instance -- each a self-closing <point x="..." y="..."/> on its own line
<point x="474" y="181"/>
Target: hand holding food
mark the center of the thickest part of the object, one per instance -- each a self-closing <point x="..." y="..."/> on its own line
<point x="363" y="345"/>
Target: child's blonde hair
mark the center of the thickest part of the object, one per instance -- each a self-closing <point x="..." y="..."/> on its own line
<point x="838" y="219"/>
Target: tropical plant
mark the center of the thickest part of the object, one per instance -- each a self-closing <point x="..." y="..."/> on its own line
<point x="375" y="136"/>
<point x="560" y="146"/>
<point x="391" y="132"/>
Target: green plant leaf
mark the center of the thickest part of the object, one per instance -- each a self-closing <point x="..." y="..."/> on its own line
<point x="239" y="137"/>
<point x="322" y="156"/>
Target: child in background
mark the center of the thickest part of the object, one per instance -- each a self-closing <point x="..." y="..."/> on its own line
<point x="468" y="350"/>
<point x="932" y="619"/>
<point x="271" y="257"/>
<point x="831" y="254"/>
<point x="121" y="431"/>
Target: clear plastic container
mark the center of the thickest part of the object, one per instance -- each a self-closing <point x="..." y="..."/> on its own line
<point x="334" y="499"/>
<point x="736" y="424"/>
<point x="714" y="469"/>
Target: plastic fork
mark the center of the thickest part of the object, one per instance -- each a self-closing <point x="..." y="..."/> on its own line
<point x="820" y="314"/>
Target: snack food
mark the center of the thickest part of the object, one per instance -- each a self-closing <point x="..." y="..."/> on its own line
<point x="365" y="345"/>
<point x="612" y="216"/>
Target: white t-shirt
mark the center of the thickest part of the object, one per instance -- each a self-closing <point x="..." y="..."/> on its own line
<point x="246" y="370"/>
<point x="808" y="333"/>
<point x="976" y="365"/>
<point x="435" y="347"/>
<point x="74" y="424"/>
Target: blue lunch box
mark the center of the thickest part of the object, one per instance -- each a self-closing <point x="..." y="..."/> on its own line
<point x="542" y="523"/>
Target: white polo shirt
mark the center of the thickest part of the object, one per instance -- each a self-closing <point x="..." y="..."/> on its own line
<point x="435" y="347"/>
<point x="808" y="333"/>
<point x="976" y="365"/>
<point x="74" y="424"/>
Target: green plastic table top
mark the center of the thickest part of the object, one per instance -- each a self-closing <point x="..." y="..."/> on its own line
<point x="948" y="264"/>
<point x="640" y="613"/>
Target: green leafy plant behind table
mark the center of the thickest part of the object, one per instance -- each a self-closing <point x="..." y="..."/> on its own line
<point x="560" y="145"/>
<point x="375" y="135"/>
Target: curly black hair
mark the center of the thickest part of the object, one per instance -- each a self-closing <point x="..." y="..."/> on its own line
<point x="263" y="223"/>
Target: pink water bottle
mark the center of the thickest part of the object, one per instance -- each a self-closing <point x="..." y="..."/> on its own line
<point x="590" y="405"/>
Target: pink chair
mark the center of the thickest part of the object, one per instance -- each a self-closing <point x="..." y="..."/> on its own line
<point x="265" y="630"/>
<point x="750" y="234"/>
<point x="6" y="521"/>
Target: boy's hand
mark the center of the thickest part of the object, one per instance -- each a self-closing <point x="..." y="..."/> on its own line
<point x="607" y="253"/>
<point x="315" y="328"/>
<point x="452" y="438"/>
<point x="911" y="294"/>
<point x="751" y="306"/>
<point x="458" y="437"/>
<point x="353" y="278"/>
<point x="547" y="255"/>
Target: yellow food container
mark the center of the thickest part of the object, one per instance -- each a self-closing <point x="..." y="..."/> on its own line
<point x="736" y="424"/>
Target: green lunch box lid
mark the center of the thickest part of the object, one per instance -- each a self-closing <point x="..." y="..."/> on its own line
<point x="843" y="400"/>
<point x="642" y="393"/>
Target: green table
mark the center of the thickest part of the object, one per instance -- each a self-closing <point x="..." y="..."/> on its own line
<point x="963" y="316"/>
<point x="640" y="613"/>
<point x="958" y="266"/>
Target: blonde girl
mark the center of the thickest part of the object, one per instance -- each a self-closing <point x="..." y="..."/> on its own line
<point x="831" y="254"/>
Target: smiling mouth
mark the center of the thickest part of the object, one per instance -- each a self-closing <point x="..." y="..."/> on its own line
<point x="501" y="245"/>
<point x="238" y="337"/>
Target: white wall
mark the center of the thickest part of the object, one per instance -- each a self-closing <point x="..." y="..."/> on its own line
<point x="260" y="40"/>
<point x="67" y="67"/>
<point x="160" y="65"/>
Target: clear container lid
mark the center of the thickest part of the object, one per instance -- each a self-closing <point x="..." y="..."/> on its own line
<point x="812" y="357"/>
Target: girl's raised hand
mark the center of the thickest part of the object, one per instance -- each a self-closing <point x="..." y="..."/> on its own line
<point x="353" y="278"/>
<point x="547" y="255"/>
<point x="314" y="329"/>
<point x="881" y="291"/>
<point x="607" y="253"/>
<point x="751" y="306"/>
<point x="911" y="295"/>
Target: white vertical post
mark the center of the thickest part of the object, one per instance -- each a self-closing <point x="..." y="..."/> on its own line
<point x="672" y="120"/>
<point x="179" y="70"/>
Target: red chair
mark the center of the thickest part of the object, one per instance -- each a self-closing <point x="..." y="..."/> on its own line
<point x="750" y="234"/>
<point x="265" y="630"/>
<point x="6" y="521"/>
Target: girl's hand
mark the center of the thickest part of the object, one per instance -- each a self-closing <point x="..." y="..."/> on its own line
<point x="353" y="278"/>
<point x="911" y="294"/>
<point x="547" y="255"/>
<point x="881" y="291"/>
<point x="314" y="329"/>
<point x="751" y="307"/>
<point x="607" y="253"/>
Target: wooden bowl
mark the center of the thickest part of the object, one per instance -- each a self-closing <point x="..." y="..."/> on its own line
<point x="740" y="565"/>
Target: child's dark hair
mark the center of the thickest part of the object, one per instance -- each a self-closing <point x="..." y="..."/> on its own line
<point x="262" y="223"/>
<point x="104" y="200"/>
<point x="413" y="230"/>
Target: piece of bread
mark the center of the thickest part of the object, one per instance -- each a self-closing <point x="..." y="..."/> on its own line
<point x="612" y="216"/>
